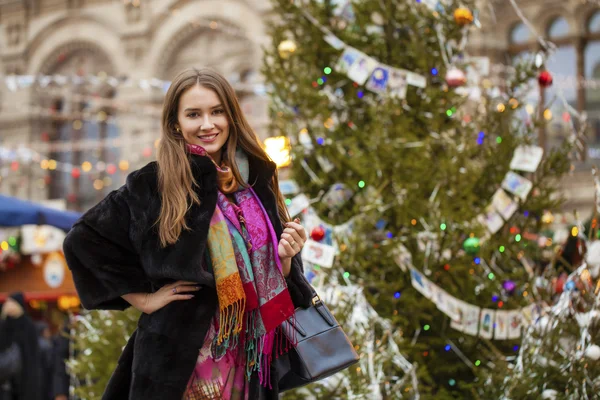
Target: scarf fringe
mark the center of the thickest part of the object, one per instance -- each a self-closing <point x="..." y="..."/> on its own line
<point x="231" y="321"/>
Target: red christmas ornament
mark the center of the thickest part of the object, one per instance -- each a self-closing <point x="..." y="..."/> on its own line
<point x="317" y="234"/>
<point x="455" y="77"/>
<point x="75" y="173"/>
<point x="111" y="169"/>
<point x="545" y="79"/>
<point x="559" y="284"/>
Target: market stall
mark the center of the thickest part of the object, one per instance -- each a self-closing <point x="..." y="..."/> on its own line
<point x="31" y="258"/>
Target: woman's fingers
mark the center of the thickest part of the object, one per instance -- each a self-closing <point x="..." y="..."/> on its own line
<point x="295" y="236"/>
<point x="298" y="228"/>
<point x="177" y="286"/>
<point x="187" y="288"/>
<point x="181" y="297"/>
<point x="289" y="250"/>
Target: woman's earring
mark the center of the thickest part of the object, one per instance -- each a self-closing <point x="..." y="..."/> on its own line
<point x="177" y="129"/>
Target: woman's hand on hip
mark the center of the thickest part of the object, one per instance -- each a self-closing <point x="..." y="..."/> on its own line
<point x="292" y="240"/>
<point x="151" y="302"/>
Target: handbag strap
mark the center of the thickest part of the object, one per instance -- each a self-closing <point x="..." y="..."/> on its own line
<point x="319" y="306"/>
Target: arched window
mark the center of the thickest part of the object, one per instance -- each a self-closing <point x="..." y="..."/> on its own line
<point x="78" y="119"/>
<point x="594" y="23"/>
<point x="559" y="28"/>
<point x="520" y="34"/>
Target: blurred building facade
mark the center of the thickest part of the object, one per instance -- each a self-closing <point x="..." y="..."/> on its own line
<point x="103" y="124"/>
<point x="76" y="135"/>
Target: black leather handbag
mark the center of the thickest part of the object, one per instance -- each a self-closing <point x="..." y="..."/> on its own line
<point x="322" y="347"/>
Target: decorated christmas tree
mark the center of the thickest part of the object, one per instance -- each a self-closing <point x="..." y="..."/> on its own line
<point x="417" y="172"/>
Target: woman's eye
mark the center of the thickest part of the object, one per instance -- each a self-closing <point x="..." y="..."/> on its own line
<point x="192" y="115"/>
<point x="217" y="112"/>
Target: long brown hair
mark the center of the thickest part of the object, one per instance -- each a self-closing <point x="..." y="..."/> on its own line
<point x="175" y="180"/>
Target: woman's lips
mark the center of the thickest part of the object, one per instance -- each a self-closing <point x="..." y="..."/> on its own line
<point x="208" y="138"/>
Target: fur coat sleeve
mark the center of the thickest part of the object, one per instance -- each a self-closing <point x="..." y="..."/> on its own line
<point x="101" y="257"/>
<point x="300" y="290"/>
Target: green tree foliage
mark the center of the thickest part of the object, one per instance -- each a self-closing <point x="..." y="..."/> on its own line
<point x="98" y="339"/>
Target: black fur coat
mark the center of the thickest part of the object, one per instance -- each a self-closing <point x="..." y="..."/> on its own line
<point x="114" y="250"/>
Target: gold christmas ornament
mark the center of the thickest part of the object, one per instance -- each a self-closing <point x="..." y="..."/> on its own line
<point x="286" y="48"/>
<point x="547" y="217"/>
<point x="463" y="16"/>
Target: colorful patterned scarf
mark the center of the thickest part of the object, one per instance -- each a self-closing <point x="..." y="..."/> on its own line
<point x="252" y="293"/>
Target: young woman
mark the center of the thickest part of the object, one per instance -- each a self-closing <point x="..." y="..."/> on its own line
<point x="199" y="241"/>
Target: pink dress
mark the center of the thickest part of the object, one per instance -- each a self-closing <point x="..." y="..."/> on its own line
<point x="218" y="379"/>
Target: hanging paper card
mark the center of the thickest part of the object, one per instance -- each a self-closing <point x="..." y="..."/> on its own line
<point x="441" y="300"/>
<point x="318" y="253"/>
<point x="471" y="322"/>
<point x="416" y="80"/>
<point x="454" y="313"/>
<point x="378" y="82"/>
<point x="298" y="204"/>
<point x="397" y="83"/>
<point x="362" y="68"/>
<point x="461" y="313"/>
<point x="527" y="158"/>
<point x="514" y="324"/>
<point x="337" y="195"/>
<point x="501" y="327"/>
<point x="504" y="204"/>
<point x="420" y="283"/>
<point x="486" y="323"/>
<point x="517" y="185"/>
<point x="348" y="58"/>
<point x="492" y="220"/>
<point x="444" y="302"/>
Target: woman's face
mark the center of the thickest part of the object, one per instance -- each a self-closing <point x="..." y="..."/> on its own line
<point x="202" y="120"/>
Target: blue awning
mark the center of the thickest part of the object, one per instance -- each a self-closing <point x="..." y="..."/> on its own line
<point x="17" y="212"/>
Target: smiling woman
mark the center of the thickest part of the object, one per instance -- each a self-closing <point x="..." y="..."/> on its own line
<point x="199" y="241"/>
